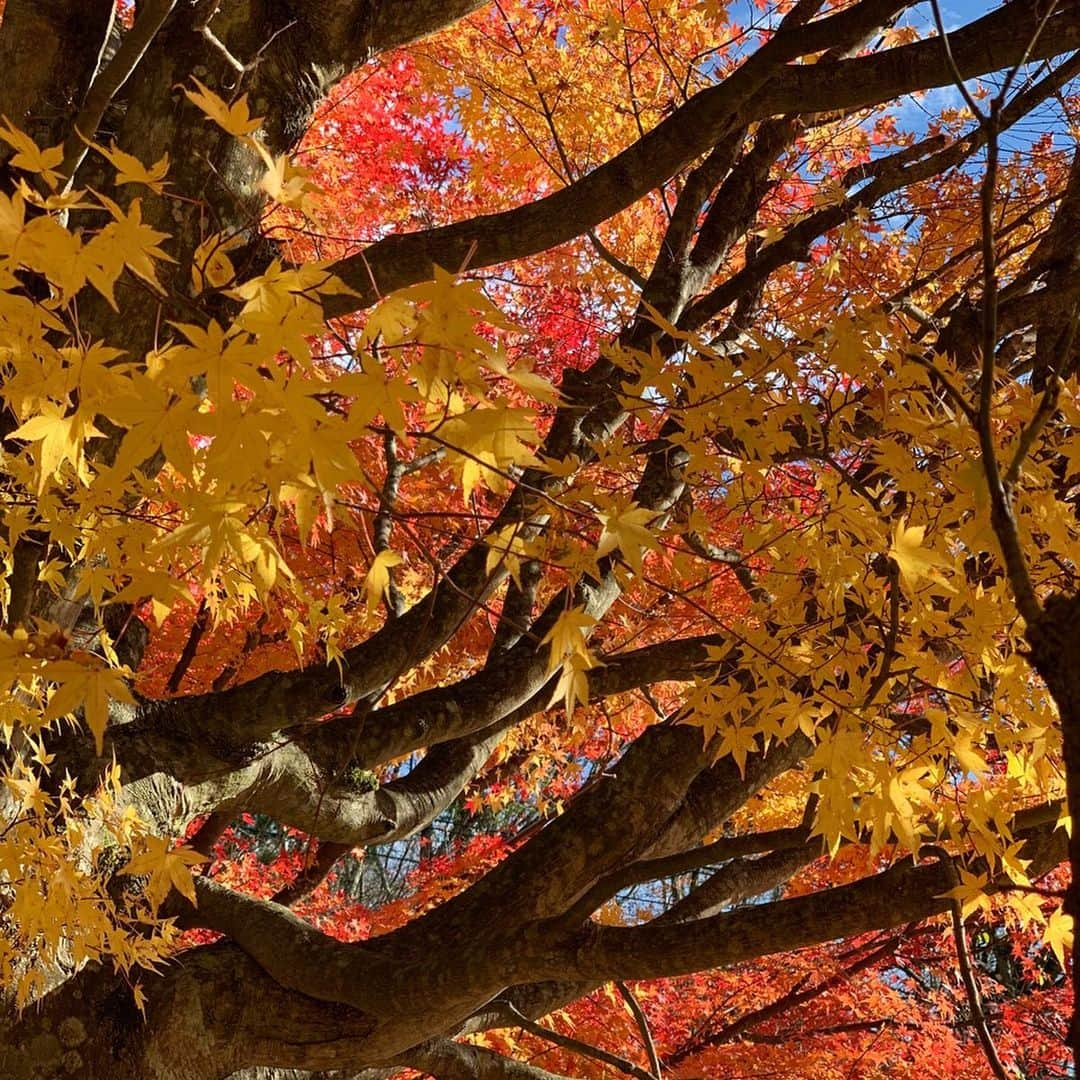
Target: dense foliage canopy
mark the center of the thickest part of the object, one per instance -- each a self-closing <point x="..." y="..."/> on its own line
<point x="539" y="538"/>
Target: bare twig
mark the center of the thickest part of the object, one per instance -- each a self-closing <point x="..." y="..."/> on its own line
<point x="891" y="635"/>
<point x="967" y="973"/>
<point x="312" y="874"/>
<point x="948" y="387"/>
<point x="576" y="1045"/>
<point x="729" y="557"/>
<point x="978" y="1016"/>
<point x="198" y="628"/>
<point x="643" y="1026"/>
<point x="1002" y="517"/>
<point x="621" y="266"/>
<point x="1046" y="409"/>
<point x="799" y="994"/>
<point x="951" y="61"/>
<point x="203" y="26"/>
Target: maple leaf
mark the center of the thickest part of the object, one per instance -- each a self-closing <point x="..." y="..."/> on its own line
<point x="377" y="580"/>
<point x="30" y="157"/>
<point x="288" y="184"/>
<point x="234" y="118"/>
<point x="168" y="867"/>
<point x="88" y="684"/>
<point x="27" y="790"/>
<point x="506" y="548"/>
<point x="570" y="656"/>
<point x="211" y="266"/>
<point x="233" y="496"/>
<point x="568" y="636"/>
<point x="738" y="740"/>
<point x="914" y="561"/>
<point x="971" y="892"/>
<point x="626" y="529"/>
<point x="127" y="241"/>
<point x="60" y="437"/>
<point x="485" y="442"/>
<point x="130" y="170"/>
<point x="1059" y="934"/>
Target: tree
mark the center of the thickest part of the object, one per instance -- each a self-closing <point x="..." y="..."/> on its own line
<point x="597" y="407"/>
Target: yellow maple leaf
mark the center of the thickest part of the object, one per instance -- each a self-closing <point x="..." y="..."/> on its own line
<point x="971" y="892"/>
<point x="506" y="548"/>
<point x="378" y="578"/>
<point x="573" y="685"/>
<point x="914" y="561"/>
<point x="211" y="265"/>
<point x="61" y="439"/>
<point x="625" y="529"/>
<point x="130" y="170"/>
<point x="28" y="792"/>
<point x="88" y="684"/>
<point x="235" y="118"/>
<point x="568" y="636"/>
<point x="737" y="740"/>
<point x="167" y="867"/>
<point x="486" y="442"/>
<point x="569" y="651"/>
<point x="286" y="183"/>
<point x="127" y="241"/>
<point x="1059" y="934"/>
<point x="29" y="156"/>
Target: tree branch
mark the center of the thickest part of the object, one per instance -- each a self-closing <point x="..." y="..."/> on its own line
<point x="643" y="1026"/>
<point x="133" y="46"/>
<point x="576" y="1045"/>
<point x="761" y="88"/>
<point x="906" y="893"/>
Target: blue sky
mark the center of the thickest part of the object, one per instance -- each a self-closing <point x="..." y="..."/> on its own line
<point x="954" y="13"/>
<point x="915" y="112"/>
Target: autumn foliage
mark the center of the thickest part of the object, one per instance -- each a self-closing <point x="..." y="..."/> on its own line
<point x="539" y="540"/>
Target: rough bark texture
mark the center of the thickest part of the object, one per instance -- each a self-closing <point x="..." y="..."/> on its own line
<point x="278" y="995"/>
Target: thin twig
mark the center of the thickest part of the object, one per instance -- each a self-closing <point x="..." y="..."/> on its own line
<point x="424" y="460"/>
<point x="1002" y="518"/>
<point x="578" y="1047"/>
<point x="967" y="973"/>
<point x="198" y="628"/>
<point x="643" y="1026"/>
<point x="797" y="995"/>
<point x="728" y="557"/>
<point x="312" y="874"/>
<point x="951" y="61"/>
<point x="978" y="1017"/>
<point x="621" y="266"/>
<point x="1015" y="69"/>
<point x="1047" y="407"/>
<point x="949" y="388"/>
<point x="891" y="635"/>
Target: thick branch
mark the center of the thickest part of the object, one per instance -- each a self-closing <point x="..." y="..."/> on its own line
<point x="444" y="1059"/>
<point x="905" y="893"/>
<point x="762" y="88"/>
